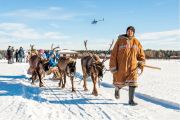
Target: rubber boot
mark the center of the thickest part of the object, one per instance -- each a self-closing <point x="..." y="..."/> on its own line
<point x="116" y="94"/>
<point x="131" y="96"/>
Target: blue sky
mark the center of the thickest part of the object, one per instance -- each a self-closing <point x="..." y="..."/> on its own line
<point x="67" y="23"/>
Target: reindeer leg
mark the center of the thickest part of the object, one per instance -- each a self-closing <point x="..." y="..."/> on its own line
<point x="60" y="79"/>
<point x="72" y="83"/>
<point x="40" y="79"/>
<point x="94" y="79"/>
<point x="64" y="81"/>
<point x="33" y="78"/>
<point x="95" y="89"/>
<point x="85" y="83"/>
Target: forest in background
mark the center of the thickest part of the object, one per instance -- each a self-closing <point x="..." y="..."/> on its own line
<point x="150" y="54"/>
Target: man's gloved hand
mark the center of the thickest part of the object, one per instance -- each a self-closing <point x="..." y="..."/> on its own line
<point x="141" y="65"/>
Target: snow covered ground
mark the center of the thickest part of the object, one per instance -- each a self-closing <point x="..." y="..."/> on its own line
<point x="157" y="95"/>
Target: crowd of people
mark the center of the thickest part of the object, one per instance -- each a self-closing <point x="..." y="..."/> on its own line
<point x="18" y="54"/>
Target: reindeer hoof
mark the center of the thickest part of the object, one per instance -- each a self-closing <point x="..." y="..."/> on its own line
<point x="85" y="89"/>
<point x="41" y="85"/>
<point x="94" y="93"/>
<point x="32" y="83"/>
<point x="73" y="90"/>
<point x="63" y="86"/>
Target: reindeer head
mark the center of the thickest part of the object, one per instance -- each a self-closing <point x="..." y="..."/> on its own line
<point x="99" y="67"/>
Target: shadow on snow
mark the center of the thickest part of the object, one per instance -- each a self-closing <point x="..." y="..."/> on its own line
<point x="8" y="88"/>
<point x="145" y="97"/>
<point x="18" y="89"/>
<point x="12" y="88"/>
<point x="13" y="77"/>
<point x="157" y="101"/>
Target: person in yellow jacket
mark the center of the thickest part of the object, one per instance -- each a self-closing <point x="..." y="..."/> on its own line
<point x="126" y="56"/>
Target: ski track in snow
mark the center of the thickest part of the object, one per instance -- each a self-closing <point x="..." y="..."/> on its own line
<point x="112" y="109"/>
<point x="83" y="112"/>
<point x="103" y="112"/>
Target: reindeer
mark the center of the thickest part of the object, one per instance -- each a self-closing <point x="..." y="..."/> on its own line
<point x="36" y="67"/>
<point x="67" y="67"/>
<point x="94" y="67"/>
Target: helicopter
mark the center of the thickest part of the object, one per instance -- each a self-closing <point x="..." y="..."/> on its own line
<point x="96" y="21"/>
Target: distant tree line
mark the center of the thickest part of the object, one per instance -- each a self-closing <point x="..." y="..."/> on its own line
<point x="150" y="54"/>
<point x="162" y="54"/>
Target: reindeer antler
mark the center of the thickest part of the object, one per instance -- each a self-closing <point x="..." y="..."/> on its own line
<point x="85" y="44"/>
<point x="51" y="46"/>
<point x="108" y="51"/>
<point x="32" y="47"/>
<point x="55" y="48"/>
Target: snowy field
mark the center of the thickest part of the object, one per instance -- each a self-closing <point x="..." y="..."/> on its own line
<point x="158" y="96"/>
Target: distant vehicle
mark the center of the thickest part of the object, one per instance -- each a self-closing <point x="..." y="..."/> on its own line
<point x="96" y="21"/>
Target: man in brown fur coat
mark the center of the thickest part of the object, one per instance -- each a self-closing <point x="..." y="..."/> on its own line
<point x="127" y="55"/>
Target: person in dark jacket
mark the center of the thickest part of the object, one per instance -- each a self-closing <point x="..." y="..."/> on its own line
<point x="17" y="55"/>
<point x="21" y="54"/>
<point x="8" y="54"/>
<point x="12" y="53"/>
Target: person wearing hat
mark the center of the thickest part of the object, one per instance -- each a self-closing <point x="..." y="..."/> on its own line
<point x="42" y="55"/>
<point x="126" y="57"/>
<point x="8" y="55"/>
